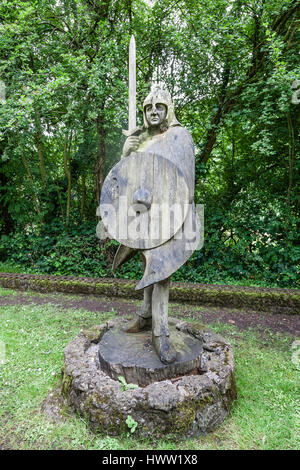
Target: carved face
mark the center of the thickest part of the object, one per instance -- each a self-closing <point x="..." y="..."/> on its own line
<point x="155" y="114"/>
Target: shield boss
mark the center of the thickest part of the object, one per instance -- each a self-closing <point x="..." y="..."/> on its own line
<point x="144" y="200"/>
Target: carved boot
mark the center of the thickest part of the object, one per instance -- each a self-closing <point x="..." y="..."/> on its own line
<point x="164" y="349"/>
<point x="142" y="320"/>
<point x="138" y="324"/>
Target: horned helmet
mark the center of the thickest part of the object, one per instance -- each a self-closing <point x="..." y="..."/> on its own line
<point x="161" y="96"/>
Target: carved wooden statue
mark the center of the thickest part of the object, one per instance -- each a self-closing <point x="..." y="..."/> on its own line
<point x="147" y="205"/>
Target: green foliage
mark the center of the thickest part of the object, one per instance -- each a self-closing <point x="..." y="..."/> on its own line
<point x="131" y="423"/>
<point x="126" y="386"/>
<point x="232" y="253"/>
<point x="248" y="243"/>
<point x="55" y="251"/>
<point x="230" y="68"/>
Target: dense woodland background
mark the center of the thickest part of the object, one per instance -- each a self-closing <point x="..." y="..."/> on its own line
<point x="229" y="65"/>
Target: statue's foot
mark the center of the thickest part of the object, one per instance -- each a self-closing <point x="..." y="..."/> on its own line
<point x="164" y="349"/>
<point x="138" y="324"/>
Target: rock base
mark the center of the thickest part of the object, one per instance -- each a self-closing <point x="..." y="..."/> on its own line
<point x="185" y="405"/>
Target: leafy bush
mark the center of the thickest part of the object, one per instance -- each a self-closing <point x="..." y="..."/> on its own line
<point x="233" y="253"/>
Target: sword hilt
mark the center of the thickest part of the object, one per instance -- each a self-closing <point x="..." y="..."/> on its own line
<point x="136" y="131"/>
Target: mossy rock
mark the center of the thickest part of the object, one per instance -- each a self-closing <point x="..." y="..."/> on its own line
<point x="186" y="406"/>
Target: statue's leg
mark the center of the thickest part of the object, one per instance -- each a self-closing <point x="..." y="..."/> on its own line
<point x="160" y="328"/>
<point x="143" y="317"/>
<point x="146" y="308"/>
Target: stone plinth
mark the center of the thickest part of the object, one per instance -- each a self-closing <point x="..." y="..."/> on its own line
<point x="182" y="405"/>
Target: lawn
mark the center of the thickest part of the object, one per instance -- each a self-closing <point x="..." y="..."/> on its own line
<point x="32" y="340"/>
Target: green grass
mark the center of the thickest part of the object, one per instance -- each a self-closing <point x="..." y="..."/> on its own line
<point x="263" y="417"/>
<point x="8" y="292"/>
<point x="12" y="268"/>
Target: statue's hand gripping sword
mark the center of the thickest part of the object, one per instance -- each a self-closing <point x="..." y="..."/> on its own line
<point x="133" y="129"/>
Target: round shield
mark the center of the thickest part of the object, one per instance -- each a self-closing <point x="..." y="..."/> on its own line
<point x="144" y="200"/>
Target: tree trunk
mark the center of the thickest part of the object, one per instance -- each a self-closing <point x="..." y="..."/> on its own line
<point x="40" y="147"/>
<point x="100" y="157"/>
<point x="67" y="148"/>
<point x="30" y="177"/>
<point x="6" y="220"/>
<point x="83" y="197"/>
<point x="221" y="111"/>
<point x="291" y="157"/>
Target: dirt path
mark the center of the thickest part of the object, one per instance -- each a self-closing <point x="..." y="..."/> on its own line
<point x="243" y="319"/>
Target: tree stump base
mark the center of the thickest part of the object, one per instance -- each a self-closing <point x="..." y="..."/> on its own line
<point x="132" y="356"/>
<point x="190" y="397"/>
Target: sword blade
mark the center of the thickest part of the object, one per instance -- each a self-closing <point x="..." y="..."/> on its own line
<point x="132" y="85"/>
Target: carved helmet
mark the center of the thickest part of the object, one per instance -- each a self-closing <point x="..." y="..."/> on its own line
<point x="161" y="96"/>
